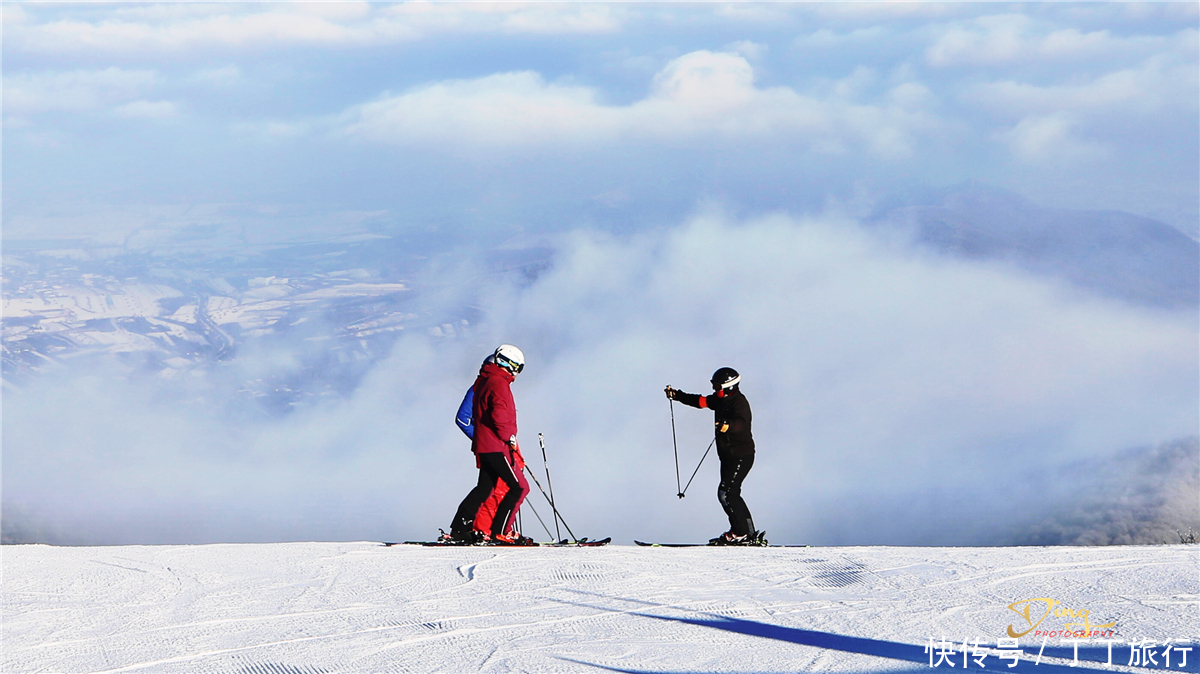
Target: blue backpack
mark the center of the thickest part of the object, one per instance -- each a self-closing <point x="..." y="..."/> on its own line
<point x="465" y="423"/>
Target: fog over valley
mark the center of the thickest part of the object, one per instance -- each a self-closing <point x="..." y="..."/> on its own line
<point x="902" y="393"/>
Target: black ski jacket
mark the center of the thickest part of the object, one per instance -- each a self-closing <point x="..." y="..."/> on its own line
<point x="730" y="407"/>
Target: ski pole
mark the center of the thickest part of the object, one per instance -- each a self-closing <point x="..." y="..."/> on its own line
<point x="549" y="484"/>
<point x="710" y="446"/>
<point x="540" y="520"/>
<point x="675" y="444"/>
<point x="547" y="497"/>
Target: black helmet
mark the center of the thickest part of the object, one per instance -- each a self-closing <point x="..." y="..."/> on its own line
<point x="725" y="378"/>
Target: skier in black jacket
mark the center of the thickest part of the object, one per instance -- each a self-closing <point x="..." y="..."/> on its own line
<point x="735" y="449"/>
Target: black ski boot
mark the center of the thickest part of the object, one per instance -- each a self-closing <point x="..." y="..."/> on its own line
<point x="728" y="538"/>
<point x="462" y="537"/>
<point x="754" y="538"/>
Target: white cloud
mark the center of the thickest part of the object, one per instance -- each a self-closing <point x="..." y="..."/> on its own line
<point x="342" y="10"/>
<point x="825" y="38"/>
<point x="499" y="110"/>
<point x="161" y="12"/>
<point x="992" y="39"/>
<point x="219" y="76"/>
<point x="142" y="109"/>
<point x="1073" y="121"/>
<point x="762" y="13"/>
<point x="14" y="15"/>
<point x="548" y="19"/>
<point x="911" y="96"/>
<point x="697" y="95"/>
<point x="1008" y="39"/>
<point x="179" y="28"/>
<point x="1130" y="13"/>
<point x="857" y="85"/>
<point x="1070" y="42"/>
<point x="888" y="9"/>
<point x="429" y="18"/>
<point x="751" y="50"/>
<point x="1158" y="84"/>
<point x="707" y="81"/>
<point x="275" y="130"/>
<point x="284" y="129"/>
<point x="1050" y="139"/>
<point x="180" y="34"/>
<point x="77" y="91"/>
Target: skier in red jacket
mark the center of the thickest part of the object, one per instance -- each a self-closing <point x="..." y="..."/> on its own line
<point x="495" y="440"/>
<point x="487" y="511"/>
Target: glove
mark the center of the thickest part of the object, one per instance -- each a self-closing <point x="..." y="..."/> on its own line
<point x="670" y="392"/>
<point x="518" y="460"/>
<point x="722" y="427"/>
<point x="512" y="442"/>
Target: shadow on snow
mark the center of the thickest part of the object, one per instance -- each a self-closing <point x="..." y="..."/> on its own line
<point x="894" y="650"/>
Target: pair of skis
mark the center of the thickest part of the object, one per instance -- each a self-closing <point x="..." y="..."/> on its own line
<point x="565" y="543"/>
<point x="756" y="539"/>
<point x="710" y="545"/>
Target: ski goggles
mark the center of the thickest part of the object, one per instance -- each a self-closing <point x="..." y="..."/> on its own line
<point x="511" y="366"/>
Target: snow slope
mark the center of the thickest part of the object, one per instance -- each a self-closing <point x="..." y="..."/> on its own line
<point x="360" y="607"/>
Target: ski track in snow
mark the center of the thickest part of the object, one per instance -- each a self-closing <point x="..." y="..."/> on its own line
<point x="320" y="608"/>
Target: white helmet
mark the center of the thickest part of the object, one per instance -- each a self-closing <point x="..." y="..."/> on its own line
<point x="510" y="358"/>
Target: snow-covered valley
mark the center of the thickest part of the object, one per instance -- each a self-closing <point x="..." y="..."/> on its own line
<point x="296" y="608"/>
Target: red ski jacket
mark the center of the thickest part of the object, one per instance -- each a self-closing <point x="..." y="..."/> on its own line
<point x="493" y="410"/>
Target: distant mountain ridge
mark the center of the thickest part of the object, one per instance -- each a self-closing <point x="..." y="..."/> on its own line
<point x="1113" y="253"/>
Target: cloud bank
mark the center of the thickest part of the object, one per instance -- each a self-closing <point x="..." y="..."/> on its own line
<point x="696" y="96"/>
<point x="182" y="28"/>
<point x="446" y="110"/>
<point x="898" y="398"/>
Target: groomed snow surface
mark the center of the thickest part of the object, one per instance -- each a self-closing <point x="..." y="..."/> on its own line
<point x="361" y="607"/>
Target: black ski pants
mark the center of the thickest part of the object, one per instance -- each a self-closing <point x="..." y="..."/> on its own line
<point x="729" y="493"/>
<point x="492" y="466"/>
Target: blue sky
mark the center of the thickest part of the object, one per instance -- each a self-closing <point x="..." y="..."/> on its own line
<point x="479" y="118"/>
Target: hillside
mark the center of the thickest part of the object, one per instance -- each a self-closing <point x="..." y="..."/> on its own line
<point x="1111" y="253"/>
<point x="361" y="607"/>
